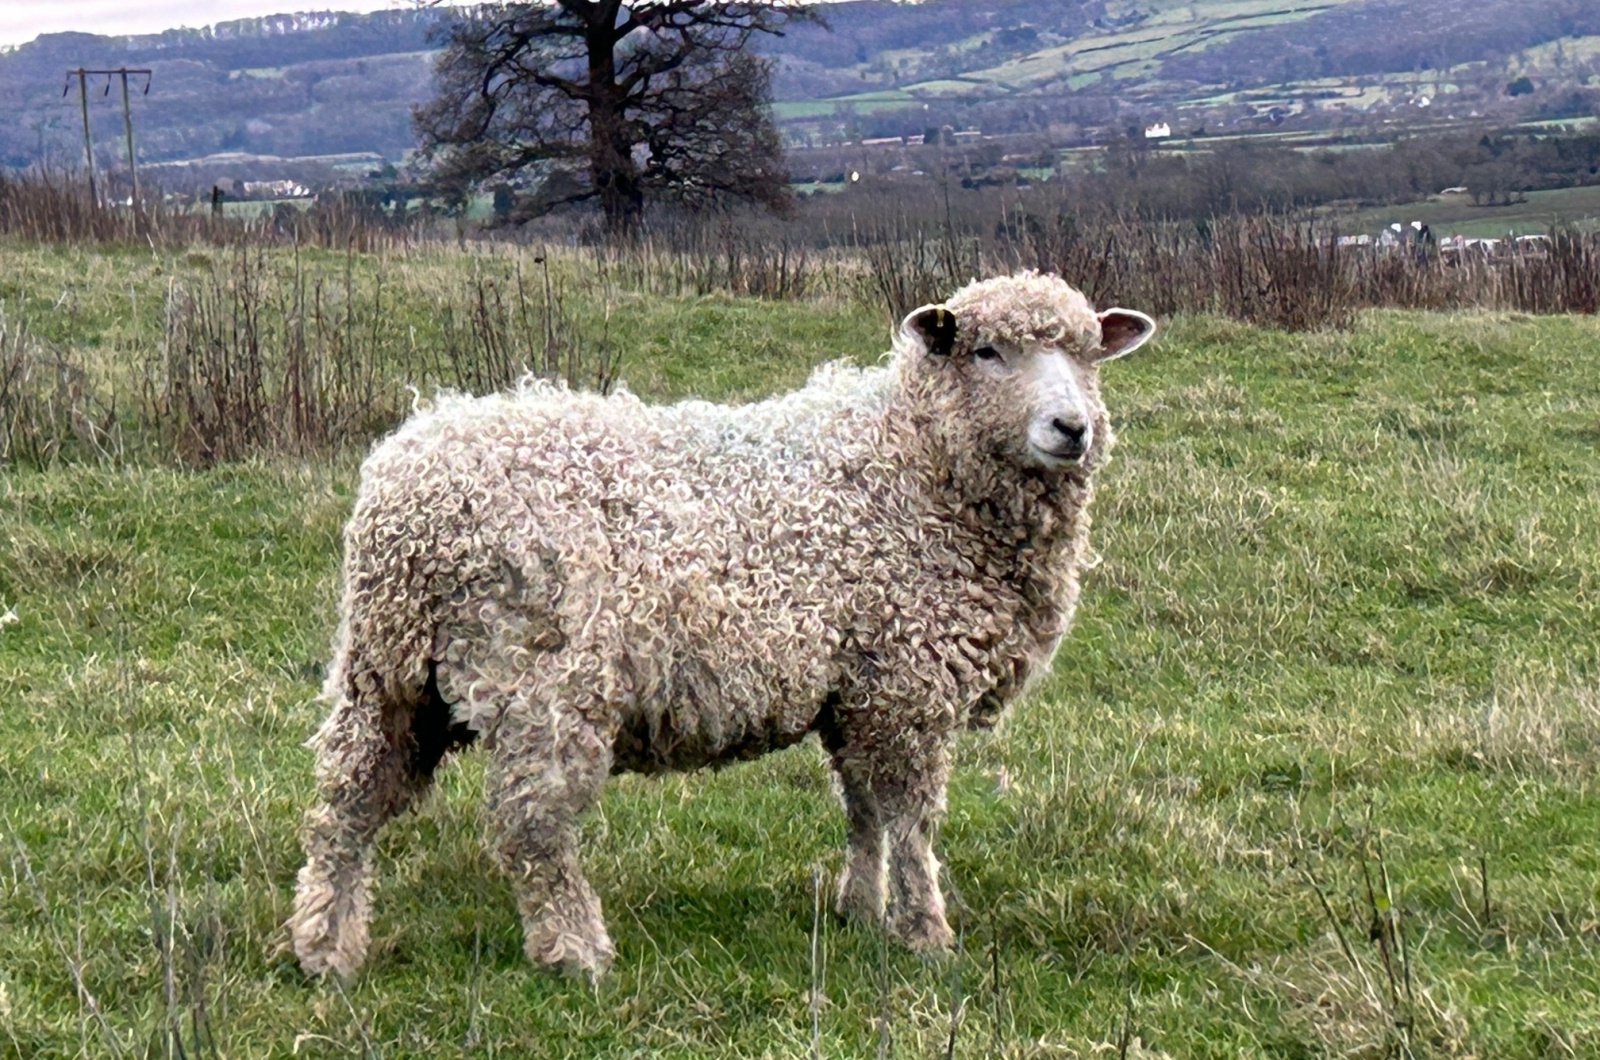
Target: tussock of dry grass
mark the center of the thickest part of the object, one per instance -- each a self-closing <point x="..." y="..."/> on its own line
<point x="1533" y="725"/>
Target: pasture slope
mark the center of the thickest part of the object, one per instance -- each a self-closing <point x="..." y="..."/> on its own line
<point x="1336" y="670"/>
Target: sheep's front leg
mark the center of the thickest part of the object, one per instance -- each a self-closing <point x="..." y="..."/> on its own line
<point x="911" y="812"/>
<point x="547" y="766"/>
<point x="894" y="797"/>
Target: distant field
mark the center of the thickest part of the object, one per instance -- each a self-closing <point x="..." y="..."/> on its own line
<point x="867" y="99"/>
<point x="1334" y="679"/>
<point x="864" y="103"/>
<point x="1457" y="214"/>
<point x="1578" y="123"/>
<point x="1557" y="53"/>
<point x="785" y="110"/>
<point x="1131" y="53"/>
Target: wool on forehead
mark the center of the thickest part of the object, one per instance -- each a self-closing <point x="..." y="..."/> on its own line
<point x="1027" y="309"/>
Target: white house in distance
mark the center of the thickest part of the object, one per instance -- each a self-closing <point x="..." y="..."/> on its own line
<point x="1159" y="131"/>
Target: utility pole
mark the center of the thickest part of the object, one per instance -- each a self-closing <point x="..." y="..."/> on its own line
<point x="127" y="120"/>
<point x="127" y="125"/>
<point x="88" y="144"/>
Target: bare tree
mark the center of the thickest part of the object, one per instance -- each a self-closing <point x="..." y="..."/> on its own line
<point x="610" y="102"/>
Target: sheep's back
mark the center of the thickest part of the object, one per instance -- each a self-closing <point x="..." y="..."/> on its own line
<point x="691" y="562"/>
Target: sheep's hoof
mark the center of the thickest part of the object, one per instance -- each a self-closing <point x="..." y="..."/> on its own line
<point x="924" y="932"/>
<point x="329" y="930"/>
<point x="321" y="960"/>
<point x="571" y="954"/>
<point x="861" y="899"/>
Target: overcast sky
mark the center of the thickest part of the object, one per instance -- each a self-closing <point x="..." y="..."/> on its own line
<point x="23" y="20"/>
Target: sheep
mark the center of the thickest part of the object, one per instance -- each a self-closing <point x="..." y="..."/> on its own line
<point x="591" y="585"/>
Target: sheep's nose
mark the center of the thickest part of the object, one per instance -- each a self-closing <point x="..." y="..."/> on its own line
<point x="1074" y="434"/>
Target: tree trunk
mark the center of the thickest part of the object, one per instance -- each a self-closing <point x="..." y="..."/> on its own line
<point x="611" y="164"/>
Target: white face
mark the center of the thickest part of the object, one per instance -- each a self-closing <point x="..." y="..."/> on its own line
<point x="1038" y="403"/>
<point x="1055" y="388"/>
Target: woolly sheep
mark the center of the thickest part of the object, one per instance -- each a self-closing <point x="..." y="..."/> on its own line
<point x="593" y="585"/>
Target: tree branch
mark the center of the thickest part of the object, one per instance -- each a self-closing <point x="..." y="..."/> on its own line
<point x="562" y="97"/>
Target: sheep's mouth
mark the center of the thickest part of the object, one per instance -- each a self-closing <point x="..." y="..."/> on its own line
<point x="1067" y="456"/>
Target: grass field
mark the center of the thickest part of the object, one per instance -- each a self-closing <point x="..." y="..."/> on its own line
<point x="1335" y="672"/>
<point x="863" y="103"/>
<point x="1457" y="215"/>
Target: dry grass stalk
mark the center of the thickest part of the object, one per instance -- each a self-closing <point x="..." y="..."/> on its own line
<point x="1278" y="271"/>
<point x="55" y="206"/>
<point x="262" y="358"/>
<point x="48" y="407"/>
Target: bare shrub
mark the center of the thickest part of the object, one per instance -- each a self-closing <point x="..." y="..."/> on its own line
<point x="912" y="264"/>
<point x="260" y="356"/>
<point x="47" y="405"/>
<point x="254" y="363"/>
<point x="741" y="255"/>
<point x="56" y="206"/>
<point x="1280" y="271"/>
<point x="1562" y="277"/>
<point x="503" y="329"/>
<point x="1270" y="271"/>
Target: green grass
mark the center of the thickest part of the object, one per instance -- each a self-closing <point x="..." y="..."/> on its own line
<point x="1344" y="623"/>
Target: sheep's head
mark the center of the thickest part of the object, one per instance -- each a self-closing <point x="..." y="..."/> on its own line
<point x="1010" y="368"/>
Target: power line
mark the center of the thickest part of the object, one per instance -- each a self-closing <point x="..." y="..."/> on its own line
<point x="124" y="72"/>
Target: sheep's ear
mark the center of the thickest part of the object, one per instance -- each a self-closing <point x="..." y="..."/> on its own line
<point x="934" y="326"/>
<point x="1122" y="331"/>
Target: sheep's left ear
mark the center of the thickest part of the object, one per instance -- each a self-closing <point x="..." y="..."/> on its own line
<point x="934" y="326"/>
<point x="1121" y="332"/>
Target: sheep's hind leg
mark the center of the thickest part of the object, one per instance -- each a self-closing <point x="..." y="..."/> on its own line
<point x="861" y="885"/>
<point x="364" y="779"/>
<point x="547" y="766"/>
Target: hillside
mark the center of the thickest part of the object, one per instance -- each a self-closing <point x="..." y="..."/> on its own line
<point x="292" y="85"/>
<point x="328" y="84"/>
<point x="1023" y="66"/>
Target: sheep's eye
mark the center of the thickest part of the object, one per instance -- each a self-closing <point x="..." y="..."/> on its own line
<point x="986" y="353"/>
